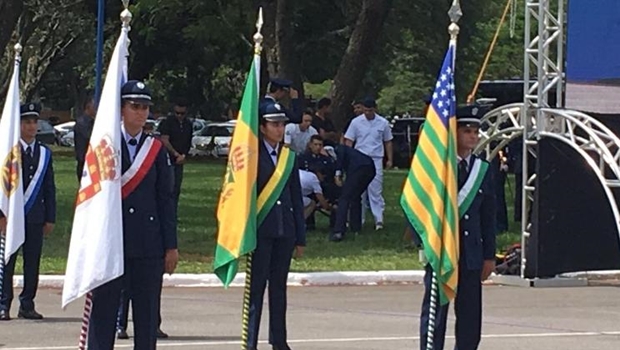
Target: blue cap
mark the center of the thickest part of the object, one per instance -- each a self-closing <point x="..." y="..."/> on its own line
<point x="469" y="116"/>
<point x="272" y="112"/>
<point x="281" y="83"/>
<point x="136" y="91"/>
<point x="30" y="110"/>
<point x="369" y="103"/>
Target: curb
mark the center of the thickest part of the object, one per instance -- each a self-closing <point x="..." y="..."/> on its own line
<point x="296" y="279"/>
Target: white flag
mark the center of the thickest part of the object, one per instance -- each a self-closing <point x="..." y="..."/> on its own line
<point x="11" y="187"/>
<point x="96" y="249"/>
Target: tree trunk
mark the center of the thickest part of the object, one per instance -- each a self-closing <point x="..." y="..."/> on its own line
<point x="357" y="57"/>
<point x="10" y="10"/>
<point x="288" y="60"/>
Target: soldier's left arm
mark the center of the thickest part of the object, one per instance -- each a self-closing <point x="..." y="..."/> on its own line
<point x="298" y="208"/>
<point x="165" y="200"/>
<point x="488" y="218"/>
<point x="49" y="192"/>
<point x="295" y="113"/>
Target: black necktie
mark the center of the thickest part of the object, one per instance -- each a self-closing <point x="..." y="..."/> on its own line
<point x="29" y="151"/>
<point x="462" y="173"/>
<point x="133" y="142"/>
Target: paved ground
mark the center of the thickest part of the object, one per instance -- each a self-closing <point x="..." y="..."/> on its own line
<point x="348" y="318"/>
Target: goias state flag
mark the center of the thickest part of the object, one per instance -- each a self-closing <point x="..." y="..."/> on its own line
<point x="429" y="197"/>
<point x="96" y="248"/>
<point x="236" y="211"/>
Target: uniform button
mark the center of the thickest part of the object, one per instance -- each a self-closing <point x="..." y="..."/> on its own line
<point x="466" y="217"/>
<point x="279" y="203"/>
<point x="31" y="167"/>
<point x="466" y="233"/>
<point x="151" y="218"/>
<point x="291" y="209"/>
<point x="30" y="176"/>
<point x="131" y="210"/>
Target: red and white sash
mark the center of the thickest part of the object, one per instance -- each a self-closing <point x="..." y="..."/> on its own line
<point x="141" y="165"/>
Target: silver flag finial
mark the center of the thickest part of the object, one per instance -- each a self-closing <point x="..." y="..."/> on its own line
<point x="455" y="12"/>
<point x="258" y="37"/>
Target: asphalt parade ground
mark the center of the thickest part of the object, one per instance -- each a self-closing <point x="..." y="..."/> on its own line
<point x="350" y="318"/>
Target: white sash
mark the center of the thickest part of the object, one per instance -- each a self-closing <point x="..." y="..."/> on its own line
<point x="472" y="185"/>
<point x="35" y="183"/>
<point x="138" y="161"/>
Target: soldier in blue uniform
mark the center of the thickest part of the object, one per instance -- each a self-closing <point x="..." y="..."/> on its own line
<point x="477" y="245"/>
<point x="149" y="230"/>
<point x="278" y="90"/>
<point x="281" y="232"/>
<point x="40" y="210"/>
<point x="360" y="170"/>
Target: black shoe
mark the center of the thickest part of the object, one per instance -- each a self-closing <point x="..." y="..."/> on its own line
<point x="122" y="334"/>
<point x="161" y="334"/>
<point x="336" y="237"/>
<point x="29" y="315"/>
<point x="4" y="315"/>
<point x="281" y="347"/>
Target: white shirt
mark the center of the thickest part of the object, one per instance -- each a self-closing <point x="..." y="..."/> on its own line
<point x="310" y="183"/>
<point x="26" y="145"/>
<point x="131" y="148"/>
<point x="297" y="139"/>
<point x="270" y="149"/>
<point x="370" y="135"/>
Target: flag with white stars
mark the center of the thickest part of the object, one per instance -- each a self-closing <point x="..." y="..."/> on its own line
<point x="429" y="197"/>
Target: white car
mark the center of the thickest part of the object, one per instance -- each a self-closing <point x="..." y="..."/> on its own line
<point x="61" y="130"/>
<point x="213" y="140"/>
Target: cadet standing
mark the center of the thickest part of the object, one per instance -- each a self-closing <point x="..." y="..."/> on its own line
<point x="40" y="210"/>
<point x="477" y="246"/>
<point x="372" y="136"/>
<point x="279" y="89"/>
<point x="281" y="232"/>
<point x="81" y="134"/>
<point x="149" y="229"/>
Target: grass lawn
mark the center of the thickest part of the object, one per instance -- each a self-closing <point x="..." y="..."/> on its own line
<point x="383" y="250"/>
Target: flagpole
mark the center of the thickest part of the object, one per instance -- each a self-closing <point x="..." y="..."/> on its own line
<point x="126" y="17"/>
<point x="3" y="233"/>
<point x="245" y="324"/>
<point x="455" y="14"/>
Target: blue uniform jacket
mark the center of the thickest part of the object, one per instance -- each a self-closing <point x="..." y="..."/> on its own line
<point x="286" y="218"/>
<point x="149" y="218"/>
<point x="349" y="159"/>
<point x="477" y="227"/>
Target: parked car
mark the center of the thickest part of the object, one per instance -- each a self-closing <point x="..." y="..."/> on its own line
<point x="63" y="129"/>
<point x="45" y="132"/>
<point x="213" y="140"/>
<point x="67" y="139"/>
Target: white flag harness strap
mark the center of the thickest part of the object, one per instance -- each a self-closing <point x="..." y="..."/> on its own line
<point x="141" y="165"/>
<point x="31" y="193"/>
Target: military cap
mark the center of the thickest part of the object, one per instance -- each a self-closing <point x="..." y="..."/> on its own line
<point x="468" y="116"/>
<point x="136" y="91"/>
<point x="272" y="112"/>
<point x="281" y="83"/>
<point x="30" y="110"/>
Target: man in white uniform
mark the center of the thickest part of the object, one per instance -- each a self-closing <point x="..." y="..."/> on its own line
<point x="297" y="136"/>
<point x="310" y="189"/>
<point x="372" y="136"/>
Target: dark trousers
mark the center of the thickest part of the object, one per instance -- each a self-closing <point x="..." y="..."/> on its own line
<point x="142" y="280"/>
<point x="467" y="307"/>
<point x="178" y="180"/>
<point x="31" y="252"/>
<point x="123" y="312"/>
<point x="271" y="262"/>
<point x="351" y="199"/>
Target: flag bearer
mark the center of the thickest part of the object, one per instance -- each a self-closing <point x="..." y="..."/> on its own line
<point x="477" y="243"/>
<point x="40" y="211"/>
<point x="149" y="229"/>
<point x="282" y="231"/>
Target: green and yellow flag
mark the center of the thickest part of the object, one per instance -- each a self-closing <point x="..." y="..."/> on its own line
<point x="236" y="212"/>
<point x="429" y="197"/>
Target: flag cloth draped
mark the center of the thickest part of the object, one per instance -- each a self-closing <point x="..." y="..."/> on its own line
<point x="236" y="211"/>
<point x="11" y="186"/>
<point x="96" y="248"/>
<point x="429" y="197"/>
